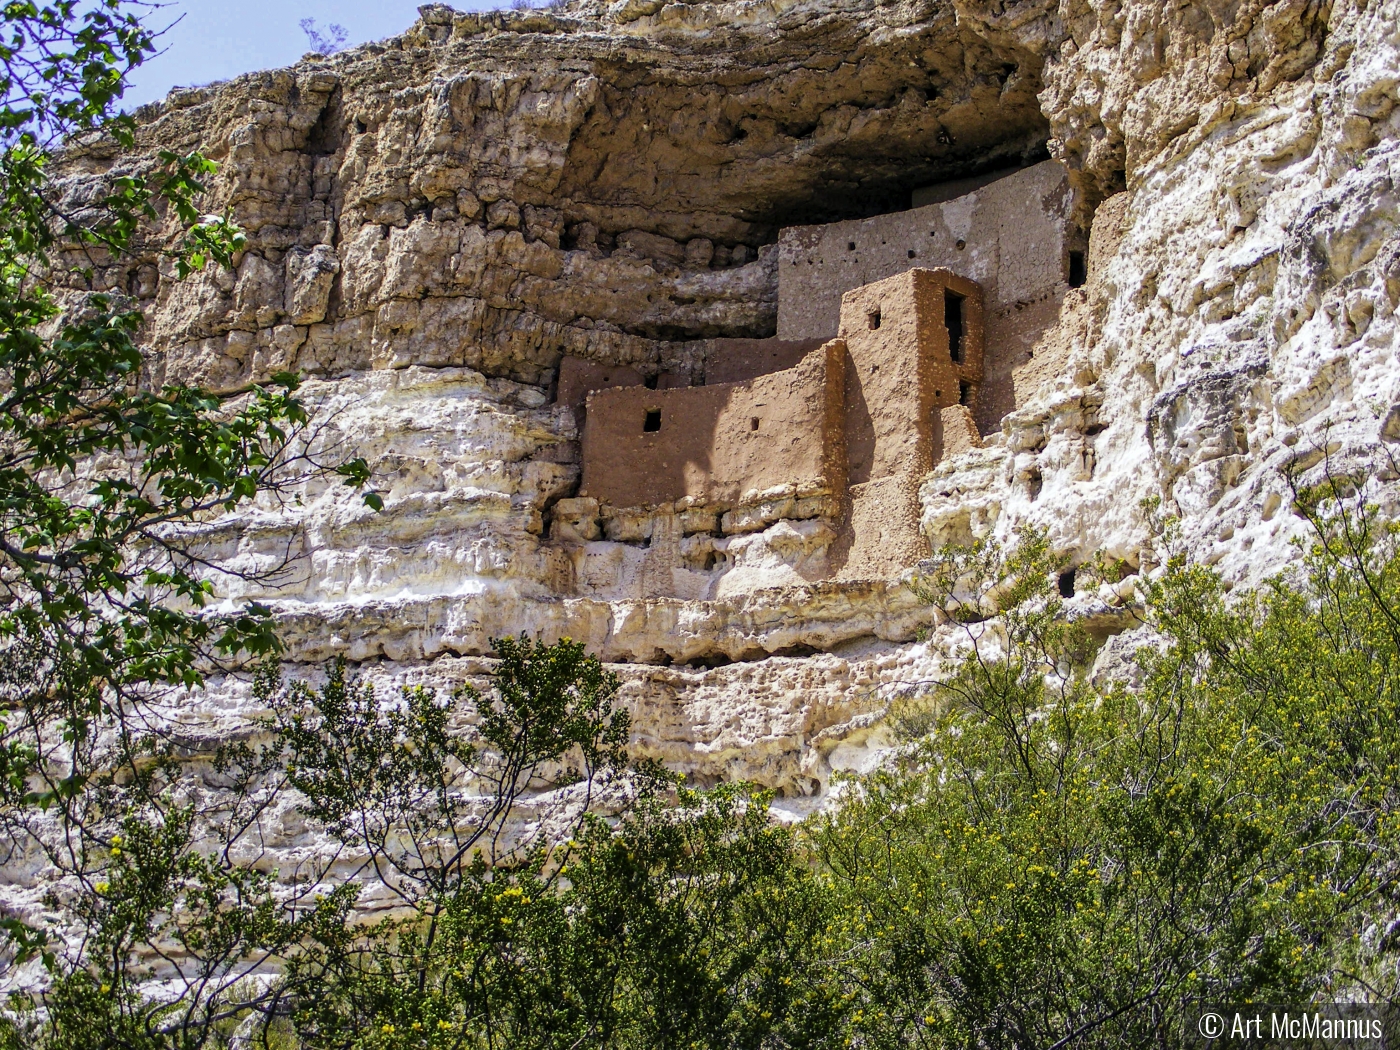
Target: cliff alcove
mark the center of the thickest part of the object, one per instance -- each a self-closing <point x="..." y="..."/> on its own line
<point x="437" y="221"/>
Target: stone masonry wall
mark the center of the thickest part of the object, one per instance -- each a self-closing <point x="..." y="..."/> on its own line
<point x="718" y="444"/>
<point x="1012" y="236"/>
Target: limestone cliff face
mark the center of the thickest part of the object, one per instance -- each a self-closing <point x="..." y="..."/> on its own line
<point x="434" y="221"/>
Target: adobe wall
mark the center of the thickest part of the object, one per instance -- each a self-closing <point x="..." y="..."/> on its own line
<point x="900" y="371"/>
<point x="717" y="443"/>
<point x="736" y="360"/>
<point x="1015" y="239"/>
<point x="881" y="537"/>
<point x="579" y="377"/>
<point x="902" y="394"/>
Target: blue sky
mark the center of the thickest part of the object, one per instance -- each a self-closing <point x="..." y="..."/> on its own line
<point x="218" y="39"/>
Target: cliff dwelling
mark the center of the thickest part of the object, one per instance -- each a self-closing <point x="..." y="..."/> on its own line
<point x="798" y="458"/>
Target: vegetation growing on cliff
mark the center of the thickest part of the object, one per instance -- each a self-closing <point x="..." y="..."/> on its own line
<point x="104" y="599"/>
<point x="1049" y="861"/>
<point x="1061" y="862"/>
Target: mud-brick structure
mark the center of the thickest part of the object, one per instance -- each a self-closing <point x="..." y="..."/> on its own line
<point x="915" y="354"/>
<point x="897" y="344"/>
<point x="712" y="444"/>
<point x="846" y="433"/>
<point x="1014" y="236"/>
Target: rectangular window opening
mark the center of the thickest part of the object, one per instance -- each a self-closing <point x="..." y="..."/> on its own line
<point x="650" y="382"/>
<point x="1078" y="269"/>
<point x="964" y="392"/>
<point x="753" y="422"/>
<point x="653" y="421"/>
<point x="953" y="321"/>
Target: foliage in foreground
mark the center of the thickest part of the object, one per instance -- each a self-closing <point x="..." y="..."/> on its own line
<point x="106" y="603"/>
<point x="509" y="917"/>
<point x="1049" y="862"/>
<point x="1059" y="863"/>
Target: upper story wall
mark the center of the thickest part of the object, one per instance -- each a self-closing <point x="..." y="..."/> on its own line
<point x="736" y="360"/>
<point x="578" y="378"/>
<point x="1011" y="236"/>
<point x="716" y="443"/>
<point x="915" y="346"/>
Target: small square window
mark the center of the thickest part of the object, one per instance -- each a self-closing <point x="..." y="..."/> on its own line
<point x="653" y="421"/>
<point x="753" y="422"/>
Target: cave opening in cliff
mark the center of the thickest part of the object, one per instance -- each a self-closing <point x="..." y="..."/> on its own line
<point x="907" y="120"/>
<point x="859" y="188"/>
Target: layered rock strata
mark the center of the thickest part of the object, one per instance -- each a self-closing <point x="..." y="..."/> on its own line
<point x="435" y="221"/>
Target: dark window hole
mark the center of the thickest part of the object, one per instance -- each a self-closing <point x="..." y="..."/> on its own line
<point x="913" y="254"/>
<point x="850" y="246"/>
<point x="650" y="382"/>
<point x="1067" y="584"/>
<point x="953" y="321"/>
<point x="964" y="392"/>
<point x="873" y="318"/>
<point x="1078" y="269"/>
<point x="753" y="423"/>
<point x="653" y="421"/>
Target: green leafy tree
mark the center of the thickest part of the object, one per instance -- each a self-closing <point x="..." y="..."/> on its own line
<point x="518" y="916"/>
<point x="103" y="601"/>
<point x="524" y="919"/>
<point x="1052" y="863"/>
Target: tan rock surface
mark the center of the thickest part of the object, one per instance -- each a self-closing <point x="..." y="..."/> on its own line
<point x="435" y="220"/>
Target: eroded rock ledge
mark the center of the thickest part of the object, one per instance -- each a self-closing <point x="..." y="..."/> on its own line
<point x="435" y="221"/>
